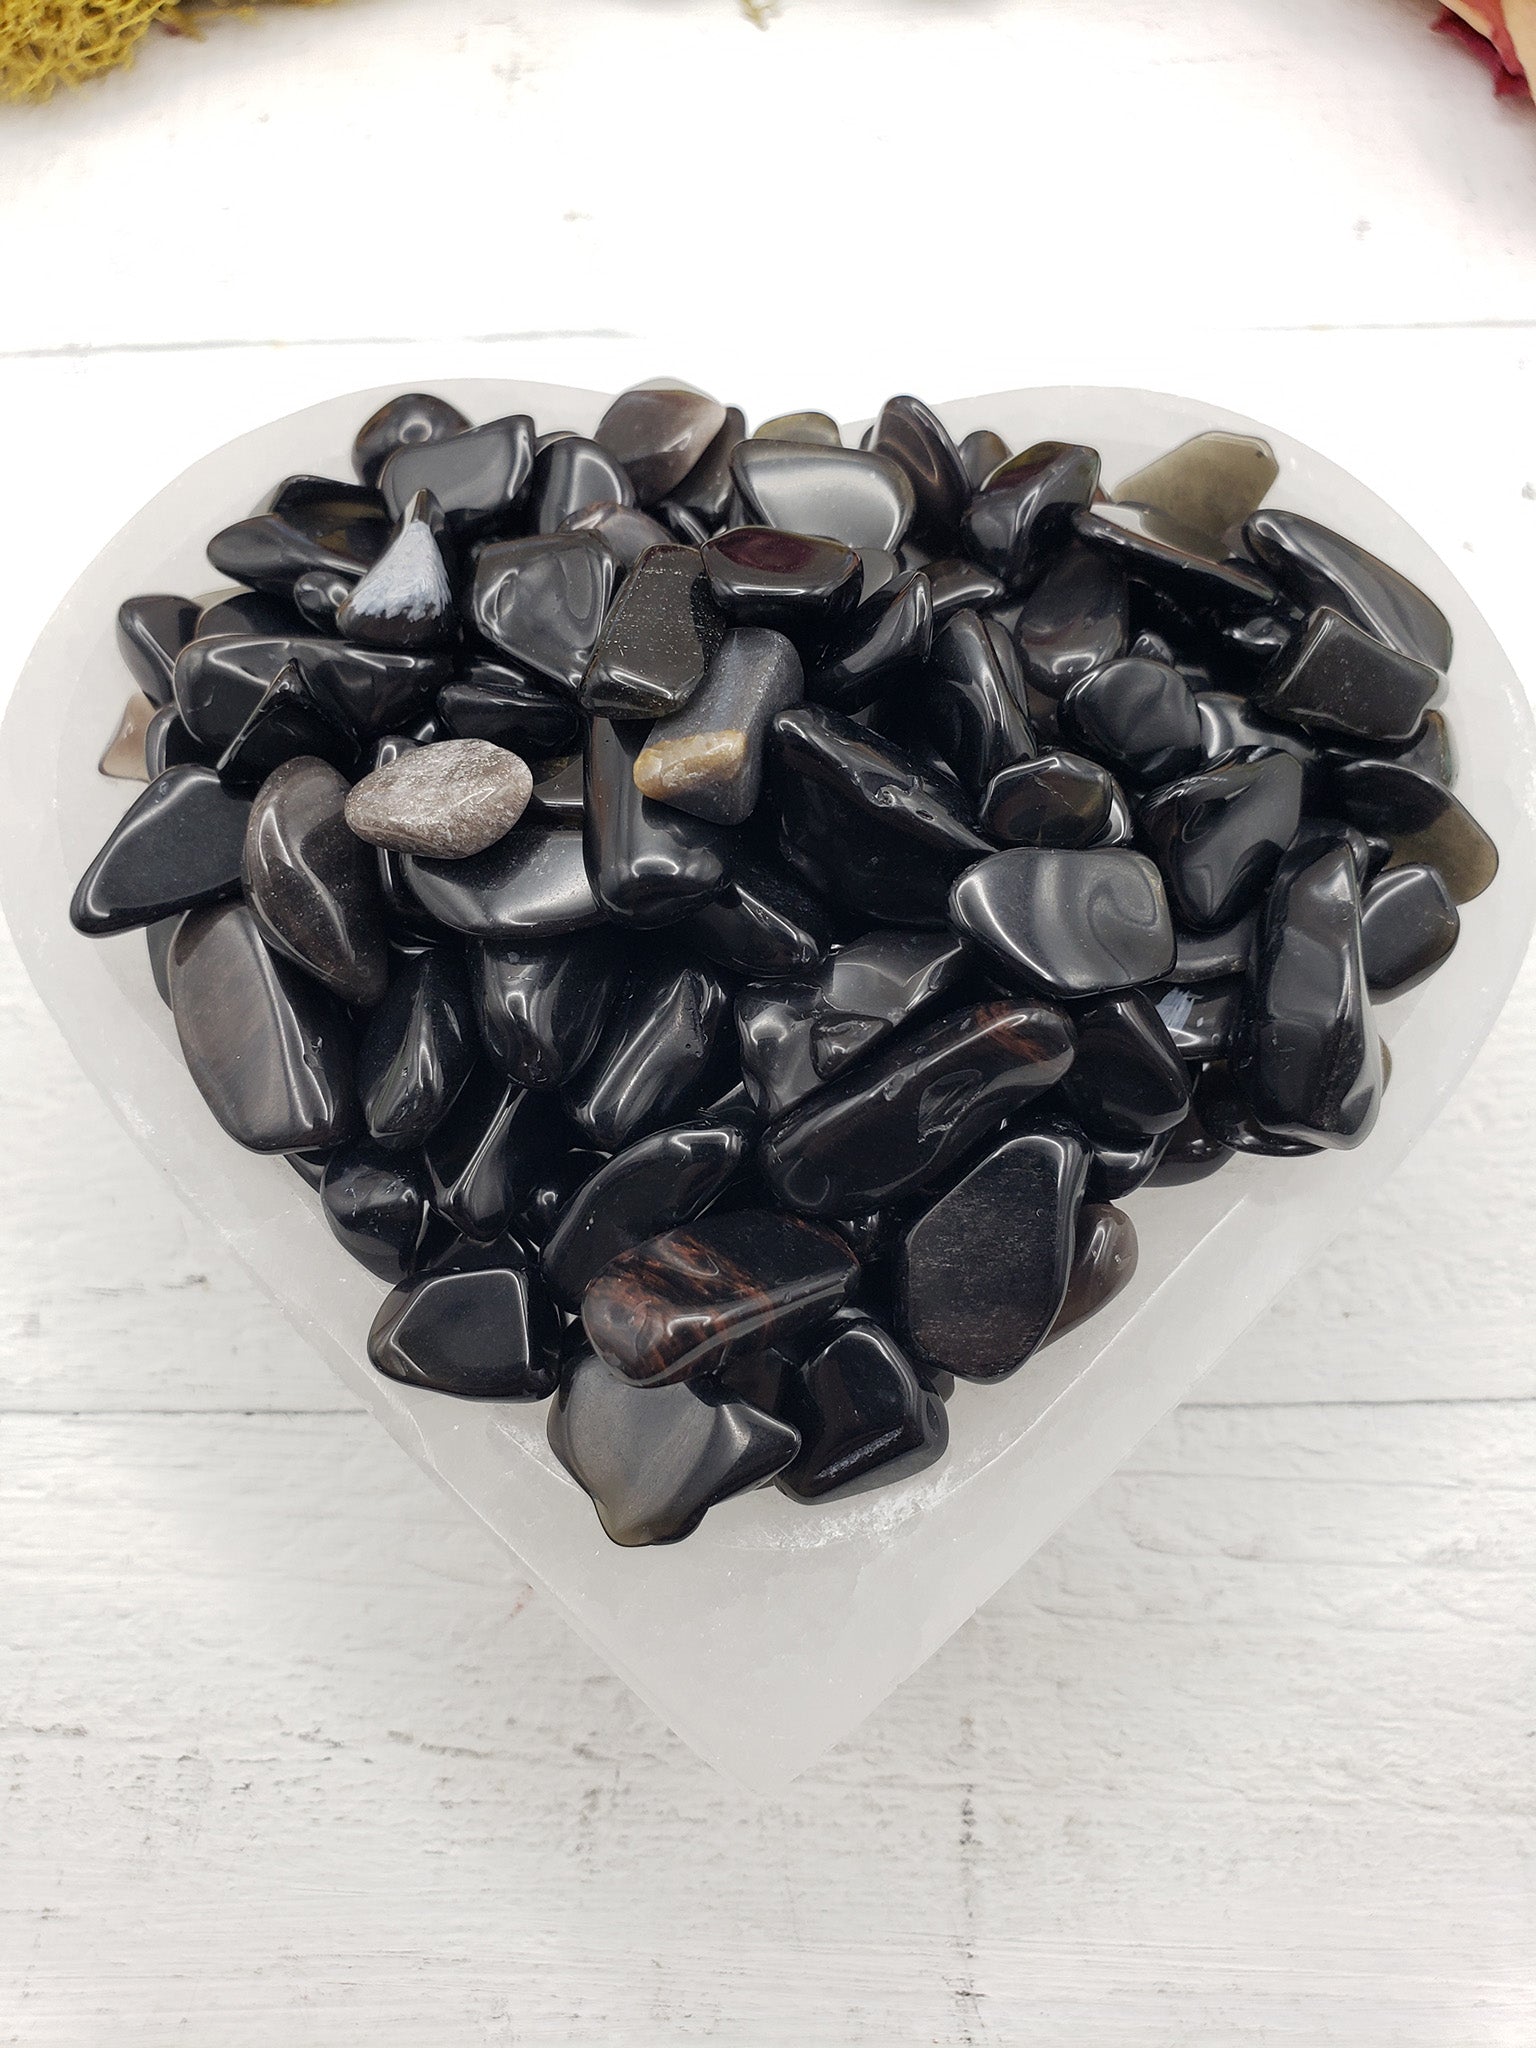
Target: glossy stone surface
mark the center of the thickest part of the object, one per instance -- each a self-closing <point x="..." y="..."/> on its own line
<point x="650" y="864"/>
<point x="531" y="884"/>
<point x="1226" y="1117"/>
<point x="1316" y="834"/>
<point x="1128" y="1080"/>
<point x="1212" y="956"/>
<point x="176" y="845"/>
<point x="417" y="1049"/>
<point x="290" y="719"/>
<point x="478" y="1326"/>
<point x="1424" y="822"/>
<point x="220" y="682"/>
<point x="912" y="435"/>
<point x="1191" y="1153"/>
<point x="1140" y="717"/>
<point x="958" y="585"/>
<point x="405" y="601"/>
<point x="541" y="601"/>
<point x="1076" y="618"/>
<point x="559" y="792"/>
<point x="1308" y="1058"/>
<point x="476" y="477"/>
<point x="864" y="1416"/>
<point x="312" y="886"/>
<point x="484" y="1155"/>
<point x="571" y="476"/>
<point x="124" y="756"/>
<point x="889" y="630"/>
<point x="652" y="1186"/>
<point x="1192" y="586"/>
<point x="658" y="639"/>
<point x="269" y="1050"/>
<point x="714" y="1293"/>
<point x="413" y="417"/>
<point x="247" y="612"/>
<point x="862" y="499"/>
<point x="1341" y="679"/>
<point x="799" y="1034"/>
<point x="1117" y="1167"/>
<point x="625" y="531"/>
<point x="1409" y="924"/>
<point x="818" y="428"/>
<point x="556" y="1181"/>
<point x="981" y="452"/>
<point x="168" y="744"/>
<point x="1317" y="566"/>
<point x="861" y="823"/>
<point x="1068" y="923"/>
<point x="656" y="1459"/>
<point x="1103" y="1264"/>
<point x="1430" y="750"/>
<point x="541" y="1008"/>
<point x="765" y="925"/>
<point x="445" y="801"/>
<point x="319" y="594"/>
<point x="707" y="759"/>
<point x="1204" y="487"/>
<point x="526" y="713"/>
<point x="905" y="1116"/>
<point x="1201" y="1017"/>
<point x="982" y="1276"/>
<point x="1218" y="837"/>
<point x="968" y="708"/>
<point x="157" y="941"/>
<point x="1229" y="725"/>
<point x="313" y="524"/>
<point x="1022" y="516"/>
<point x="151" y="632"/>
<point x="1055" y="799"/>
<point x="657" y="1053"/>
<point x="376" y="1205"/>
<point x="761" y="576"/>
<point x="701" y="504"/>
<point x="658" y="435"/>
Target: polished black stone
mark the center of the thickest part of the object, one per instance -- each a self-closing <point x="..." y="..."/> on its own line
<point x="796" y="1035"/>
<point x="269" y="1050"/>
<point x="1128" y="1080"/>
<point x="312" y="886"/>
<point x="981" y="1276"/>
<point x="912" y="435"/>
<point x="1218" y="837"/>
<point x="981" y="452"/>
<point x="959" y="584"/>
<point x="541" y="601"/>
<point x="862" y="499"/>
<point x="557" y="1179"/>
<point x="168" y="744"/>
<point x="542" y="1007"/>
<point x="1055" y="799"/>
<point x="1077" y="617"/>
<point x="865" y="1417"/>
<point x="1103" y="1264"/>
<point x="177" y="844"/>
<point x="1022" y="517"/>
<point x="861" y="824"/>
<point x="245" y="612"/>
<point x="1424" y="822"/>
<point x="1320" y="567"/>
<point x="376" y="1205"/>
<point x="413" y="417"/>
<point x="1226" y="1117"/>
<point x="376" y="689"/>
<point x="1191" y="1152"/>
<point x="157" y="939"/>
<point x="716" y="1292"/>
<point x="1199" y="589"/>
<point x="530" y="885"/>
<point x="1307" y="1057"/>
<point x="1341" y="679"/>
<point x="151" y="632"/>
<point x="1139" y="717"/>
<point x="1117" y="1168"/>
<point x="219" y="682"/>
<point x="707" y="759"/>
<point x="559" y="792"/>
<point x="648" y="863"/>
<point x="651" y="1186"/>
<point x="765" y="925"/>
<point x="483" y="1156"/>
<point x="656" y="1459"/>
<point x="1202" y="1016"/>
<point x="310" y="1166"/>
<point x="701" y="505"/>
<point x="405" y="913"/>
<point x="968" y="708"/>
<point x="1431" y="751"/>
<point x="888" y="632"/>
<point x="1409" y="924"/>
<point x="571" y="476"/>
<point x="1369" y="853"/>
<point x="406" y="600"/>
<point x="477" y="477"/>
<point x="319" y="594"/>
<point x="625" y="531"/>
<point x="290" y="720"/>
<point x="1212" y="956"/>
<point x="657" y="1055"/>
<point x="659" y="435"/>
<point x="1229" y="725"/>
<point x="905" y="1116"/>
<point x="479" y="1326"/>
<point x="417" y="1049"/>
<point x="490" y="701"/>
<point x="312" y="523"/>
<point x="1068" y="923"/>
<point x="761" y="576"/>
<point x="658" y="639"/>
<point x="1120" y="826"/>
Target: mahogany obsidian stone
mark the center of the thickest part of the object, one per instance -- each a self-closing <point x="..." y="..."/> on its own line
<point x="376" y="1205"/>
<point x="479" y="1326"/>
<point x="1320" y="567"/>
<point x="860" y="822"/>
<point x="402" y="422"/>
<point x="417" y="1049"/>
<point x="1068" y="923"/>
<point x="1138" y="715"/>
<point x="1103" y="1264"/>
<point x="714" y="1293"/>
<point x="656" y="1459"/>
<point x="1409" y="924"/>
<point x="176" y="845"/>
<point x="625" y="531"/>
<point x="982" y="1275"/>
<point x="312" y="887"/>
<point x="892" y="628"/>
<point x="658" y="436"/>
<point x="1055" y="799"/>
<point x="798" y="1034"/>
<point x="761" y="576"/>
<point x="1128" y="1079"/>
<point x="765" y="925"/>
<point x="269" y="1049"/>
<point x="912" y="435"/>
<point x="476" y="477"/>
<point x="658" y="639"/>
<point x="648" y="863"/>
<point x="860" y="498"/>
<point x="1307" y="1058"/>
<point x="649" y="1188"/>
<point x="483" y="1156"/>
<point x="541" y="601"/>
<point x="1424" y="822"/>
<point x="542" y="1007"/>
<point x="968" y="708"/>
<point x="1341" y="679"/>
<point x="573" y="475"/>
<point x="1202" y="1018"/>
<point x="405" y="600"/>
<point x="151" y="632"/>
<point x="905" y="1116"/>
<point x="531" y="885"/>
<point x="490" y="701"/>
<point x="1021" y="514"/>
<point x="657" y="1053"/>
<point x="707" y="759"/>
<point x="1075" y="619"/>
<point x="864" y="1416"/>
<point x="1218" y="837"/>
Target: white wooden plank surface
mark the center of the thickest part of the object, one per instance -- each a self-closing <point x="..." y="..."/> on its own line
<point x="1245" y="1756"/>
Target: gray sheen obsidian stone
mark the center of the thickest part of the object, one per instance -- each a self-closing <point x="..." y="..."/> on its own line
<point x="1055" y="799"/>
<point x="1319" y="567"/>
<point x="981" y="452"/>
<point x="658" y="639"/>
<point x="413" y="417"/>
<point x="657" y="1053"/>
<point x="541" y="1007"/>
<point x="703" y="502"/>
<point x="417" y="1049"/>
<point x="476" y="477"/>
<point x="1408" y="924"/>
<point x="1421" y="818"/>
<point x="1341" y="679"/>
<point x="541" y="601"/>
<point x="406" y="599"/>
<point x="707" y="759"/>
<point x="312" y="885"/>
<point x="959" y="584"/>
<point x="1068" y="923"/>
<point x="269" y="1050"/>
<point x="1218" y="837"/>
<point x="479" y="1326"/>
<point x="981" y="1277"/>
<point x="177" y="845"/>
<point x="658" y="436"/>
<point x="819" y="428"/>
<point x="151" y="632"/>
<point x="865" y="1417"/>
<point x="862" y="499"/>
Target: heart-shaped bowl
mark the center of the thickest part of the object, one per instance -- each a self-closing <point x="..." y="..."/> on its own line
<point x="770" y="1633"/>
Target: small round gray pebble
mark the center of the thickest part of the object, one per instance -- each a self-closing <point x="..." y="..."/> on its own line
<point x="446" y="801"/>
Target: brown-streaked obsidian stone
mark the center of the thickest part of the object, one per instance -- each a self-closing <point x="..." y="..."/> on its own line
<point x="1128" y="1079"/>
<point x="1021" y="516"/>
<point x="541" y="601"/>
<point x="981" y="452"/>
<point x="655" y="1459"/>
<point x="968" y="708"/>
<point x="761" y="576"/>
<point x="707" y="759"/>
<point x="477" y="477"/>
<point x="1342" y="679"/>
<point x="1139" y="716"/>
<point x="1103" y="1264"/>
<point x="1409" y="924"/>
<point x="269" y="1049"/>
<point x="912" y="435"/>
<point x="1201" y="1018"/>
<point x="865" y="1417"/>
<point x="479" y="1326"/>
<point x="151" y="632"/>
<point x="1075" y="619"/>
<point x="1319" y="567"/>
<point x="405" y="600"/>
<point x="625" y="531"/>
<point x="1424" y="822"/>
<point x="177" y="844"/>
<point x="572" y="476"/>
<point x="1218" y="837"/>
<point x="530" y="885"/>
<point x="312" y="886"/>
<point x="1055" y="799"/>
<point x="890" y="630"/>
<point x="1068" y="923"/>
<point x="541" y="1007"/>
<point x="376" y="1205"/>
<point x="848" y="494"/>
<point x="658" y="435"/>
<point x="649" y="863"/>
<point x="657" y="1054"/>
<point x="714" y="1293"/>
<point x="982" y="1275"/>
<point x="491" y="701"/>
<point x="902" y="1118"/>
<point x="658" y="639"/>
<point x="402" y="422"/>
<point x="766" y="924"/>
<point x="652" y="1186"/>
<point x="483" y="1156"/>
<point x="417" y="1049"/>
